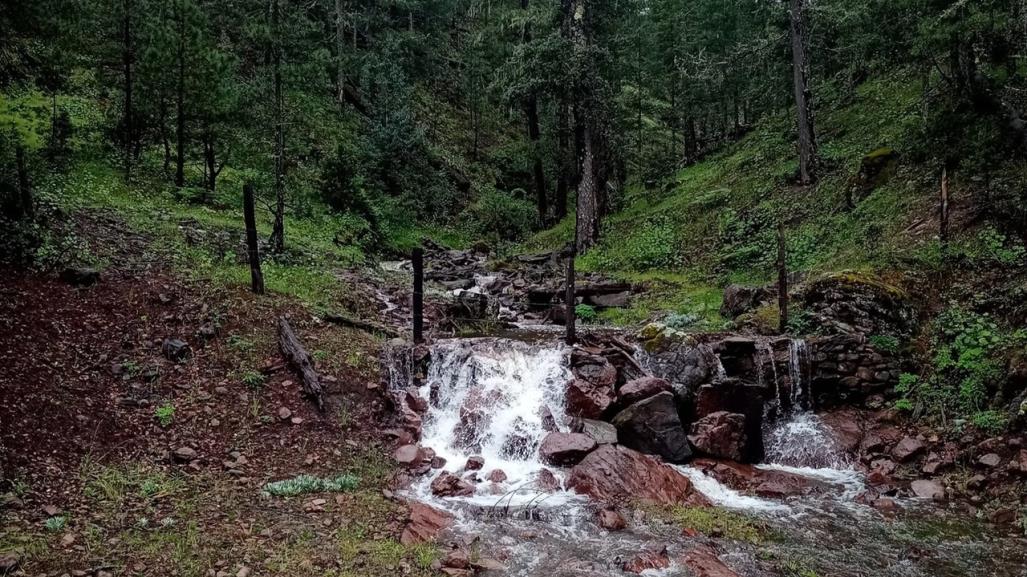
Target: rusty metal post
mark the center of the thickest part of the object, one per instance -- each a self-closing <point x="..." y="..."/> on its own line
<point x="418" y="304"/>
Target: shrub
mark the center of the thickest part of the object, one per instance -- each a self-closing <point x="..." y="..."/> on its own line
<point x="991" y="422"/>
<point x="55" y="524"/>
<point x="587" y="313"/>
<point x="252" y="379"/>
<point x="165" y="414"/>
<point x="885" y="343"/>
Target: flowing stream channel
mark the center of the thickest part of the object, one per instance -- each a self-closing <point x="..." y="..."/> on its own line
<point x="491" y="397"/>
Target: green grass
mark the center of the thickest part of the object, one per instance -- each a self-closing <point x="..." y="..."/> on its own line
<point x="712" y="521"/>
<point x="715" y="222"/>
<point x="304" y="484"/>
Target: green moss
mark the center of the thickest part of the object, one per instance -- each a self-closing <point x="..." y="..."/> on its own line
<point x="712" y="521"/>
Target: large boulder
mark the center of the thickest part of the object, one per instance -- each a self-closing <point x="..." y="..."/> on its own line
<point x="855" y="303"/>
<point x="734" y="396"/>
<point x="566" y="449"/>
<point x="739" y="299"/>
<point x="613" y="473"/>
<point x="594" y="369"/>
<point x="720" y="434"/>
<point x="588" y="400"/>
<point x="677" y="357"/>
<point x="653" y="426"/>
<point x="641" y="389"/>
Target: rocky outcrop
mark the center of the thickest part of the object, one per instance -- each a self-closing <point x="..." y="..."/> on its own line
<point x="647" y="560"/>
<point x="449" y="485"/>
<point x="601" y="432"/>
<point x="762" y="482"/>
<point x="424" y="524"/>
<point x="739" y="299"/>
<point x="703" y="561"/>
<point x="847" y="369"/>
<point x="653" y="426"/>
<point x="613" y="474"/>
<point x="587" y="400"/>
<point x="720" y="434"/>
<point x="853" y="303"/>
<point x="641" y="389"/>
<point x="566" y="449"/>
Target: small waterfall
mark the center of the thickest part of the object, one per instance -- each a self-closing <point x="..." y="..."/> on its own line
<point x="798" y="438"/>
<point x="489" y="398"/>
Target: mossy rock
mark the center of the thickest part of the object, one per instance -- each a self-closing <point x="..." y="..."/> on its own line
<point x="856" y="302"/>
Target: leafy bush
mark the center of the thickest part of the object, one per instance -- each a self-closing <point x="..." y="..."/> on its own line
<point x="252" y="379"/>
<point x="992" y="422"/>
<point x="304" y="484"/>
<point x="587" y="313"/>
<point x="885" y="343"/>
<point x="965" y="370"/>
<point x="165" y="414"/>
<point x="991" y="247"/>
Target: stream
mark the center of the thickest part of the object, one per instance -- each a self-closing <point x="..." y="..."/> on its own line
<point x="492" y="397"/>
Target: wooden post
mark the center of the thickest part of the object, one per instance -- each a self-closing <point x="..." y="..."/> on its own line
<point x="569" y="296"/>
<point x="943" y="208"/>
<point x="782" y="279"/>
<point x="418" y="261"/>
<point x="252" y="250"/>
<point x="24" y="188"/>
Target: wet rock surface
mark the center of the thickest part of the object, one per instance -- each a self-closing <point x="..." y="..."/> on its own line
<point x="614" y="473"/>
<point x="653" y="426"/>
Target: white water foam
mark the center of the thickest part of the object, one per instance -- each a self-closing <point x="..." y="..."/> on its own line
<point x="724" y="496"/>
<point x="487" y="398"/>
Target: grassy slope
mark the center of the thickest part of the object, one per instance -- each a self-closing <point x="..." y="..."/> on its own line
<point x="715" y="222"/>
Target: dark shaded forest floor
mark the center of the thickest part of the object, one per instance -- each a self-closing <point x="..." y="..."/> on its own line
<point x="123" y="461"/>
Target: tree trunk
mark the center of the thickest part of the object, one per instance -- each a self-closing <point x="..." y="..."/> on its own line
<point x="252" y="248"/>
<point x="591" y="134"/>
<point x="943" y="210"/>
<point x="782" y="279"/>
<point x="209" y="159"/>
<point x="127" y="59"/>
<point x="535" y="134"/>
<point x="340" y="47"/>
<point x="278" y="230"/>
<point x="564" y="163"/>
<point x="180" y="106"/>
<point x="27" y="208"/>
<point x="300" y="361"/>
<point x="803" y="94"/>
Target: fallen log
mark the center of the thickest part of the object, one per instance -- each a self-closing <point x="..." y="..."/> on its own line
<point x="300" y="361"/>
<point x="358" y="324"/>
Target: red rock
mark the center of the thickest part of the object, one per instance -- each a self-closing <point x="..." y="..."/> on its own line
<point x="414" y="400"/>
<point x="885" y="505"/>
<point x="704" y="562"/>
<point x="449" y="485"/>
<point x="845" y="424"/>
<point x="457" y="559"/>
<point x="648" y="560"/>
<point x="546" y="481"/>
<point x="1019" y="462"/>
<point x="990" y="460"/>
<point x="409" y="455"/>
<point x="615" y="473"/>
<point x="424" y="524"/>
<point x="497" y="476"/>
<point x="928" y="489"/>
<point x="587" y="400"/>
<point x="594" y="369"/>
<point x="907" y="449"/>
<point x="720" y="434"/>
<point x="438" y="462"/>
<point x="763" y="482"/>
<point x="611" y="520"/>
<point x="474" y="463"/>
<point x="566" y="449"/>
<point x="641" y="389"/>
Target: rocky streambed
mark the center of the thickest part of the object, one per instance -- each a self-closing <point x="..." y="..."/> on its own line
<point x="713" y="455"/>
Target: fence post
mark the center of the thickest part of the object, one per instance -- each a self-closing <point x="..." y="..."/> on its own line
<point x="569" y="297"/>
<point x="782" y="279"/>
<point x="252" y="250"/>
<point x="418" y="262"/>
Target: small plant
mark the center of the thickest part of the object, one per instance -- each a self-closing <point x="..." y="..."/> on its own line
<point x="587" y="313"/>
<point x="885" y="343"/>
<point x="240" y="343"/>
<point x="319" y="355"/>
<point x="252" y="379"/>
<point x="682" y="321"/>
<point x="56" y="524"/>
<point x="165" y="414"/>
<point x="304" y="484"/>
<point x="991" y="422"/>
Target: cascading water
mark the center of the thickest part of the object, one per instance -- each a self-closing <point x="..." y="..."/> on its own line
<point x="489" y="398"/>
<point x="798" y="438"/>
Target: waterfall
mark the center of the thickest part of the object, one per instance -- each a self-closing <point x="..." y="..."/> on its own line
<point x="798" y="438"/>
<point x="489" y="398"/>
